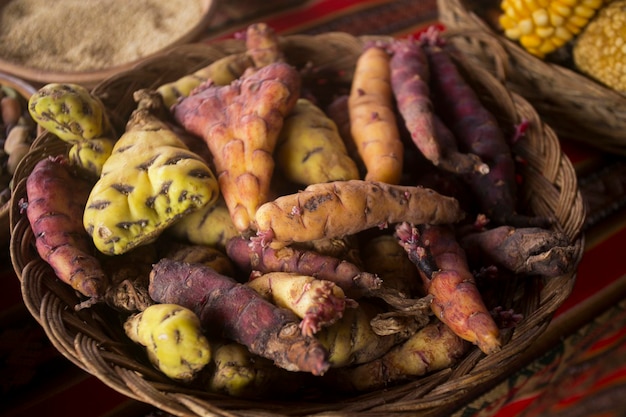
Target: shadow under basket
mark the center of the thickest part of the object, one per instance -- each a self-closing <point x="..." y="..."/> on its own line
<point x="93" y="338"/>
<point x="574" y="105"/>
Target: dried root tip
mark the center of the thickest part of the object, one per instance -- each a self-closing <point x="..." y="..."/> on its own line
<point x="368" y="281"/>
<point x="463" y="163"/>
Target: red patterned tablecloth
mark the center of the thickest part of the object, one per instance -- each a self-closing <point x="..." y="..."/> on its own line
<point x="577" y="368"/>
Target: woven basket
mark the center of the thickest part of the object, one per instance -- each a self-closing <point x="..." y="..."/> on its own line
<point x="574" y="105"/>
<point x="93" y="338"/>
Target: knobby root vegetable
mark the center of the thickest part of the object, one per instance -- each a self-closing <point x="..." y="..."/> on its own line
<point x="240" y="123"/>
<point x="372" y="117"/>
<point x="220" y="72"/>
<point x="173" y="338"/>
<point x="56" y="200"/>
<point x="149" y="182"/>
<point x="199" y="254"/>
<point x="317" y="302"/>
<point x="434" y="347"/>
<point x="409" y="83"/>
<point x="352" y="340"/>
<point x="210" y="225"/>
<point x="526" y="250"/>
<point x="478" y="132"/>
<point x="70" y="112"/>
<point x="236" y="312"/>
<point x="342" y="208"/>
<point x="350" y="278"/>
<point x="310" y="149"/>
<point x="262" y="45"/>
<point x="410" y="75"/>
<point x="384" y="257"/>
<point x="90" y="155"/>
<point x="477" y="129"/>
<point x="456" y="300"/>
<point x="239" y="373"/>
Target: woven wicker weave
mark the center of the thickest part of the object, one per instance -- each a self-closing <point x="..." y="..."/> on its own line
<point x="575" y="106"/>
<point x="93" y="338"/>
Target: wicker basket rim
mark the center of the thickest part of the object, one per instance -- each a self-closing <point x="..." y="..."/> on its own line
<point x="99" y="354"/>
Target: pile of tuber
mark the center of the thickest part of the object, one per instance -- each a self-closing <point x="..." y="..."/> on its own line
<point x="237" y="312"/>
<point x="250" y="257"/>
<point x="354" y="236"/>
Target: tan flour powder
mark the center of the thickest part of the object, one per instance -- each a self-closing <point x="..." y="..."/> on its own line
<point x="80" y="35"/>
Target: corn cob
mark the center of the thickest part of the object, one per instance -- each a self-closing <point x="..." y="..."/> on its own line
<point x="600" y="51"/>
<point x="543" y="26"/>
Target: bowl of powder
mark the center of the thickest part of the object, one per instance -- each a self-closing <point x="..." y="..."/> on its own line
<point x="86" y="41"/>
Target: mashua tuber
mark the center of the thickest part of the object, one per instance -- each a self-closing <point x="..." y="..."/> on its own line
<point x="372" y="117"/>
<point x="342" y="208"/>
<point x="240" y="123"/>
<point x="457" y="302"/>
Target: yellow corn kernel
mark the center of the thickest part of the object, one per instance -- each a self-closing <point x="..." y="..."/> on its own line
<point x="592" y="4"/>
<point x="556" y="20"/>
<point x="546" y="47"/>
<point x="519" y="7"/>
<point x="530" y="41"/>
<point x="545" y="33"/>
<point x="584" y="11"/>
<point x="526" y="27"/>
<point x="560" y="9"/>
<point x="568" y="3"/>
<point x="541" y="17"/>
<point x="557" y="42"/>
<point x="542" y="26"/>
<point x="532" y="5"/>
<point x="563" y="34"/>
<point x="506" y="22"/>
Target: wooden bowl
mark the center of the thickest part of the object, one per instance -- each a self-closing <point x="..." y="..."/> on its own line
<point x="91" y="77"/>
